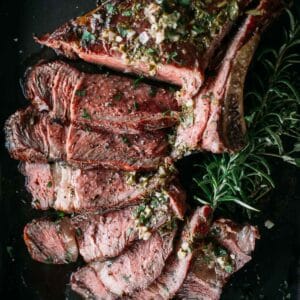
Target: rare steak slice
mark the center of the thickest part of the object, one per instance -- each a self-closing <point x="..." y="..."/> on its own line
<point x="171" y="41"/>
<point x="178" y="264"/>
<point x="36" y="137"/>
<point x="224" y="252"/>
<point x="214" y="120"/>
<point x="51" y="242"/>
<point x="111" y="102"/>
<point x="69" y="189"/>
<point x="135" y="269"/>
<point x="101" y="236"/>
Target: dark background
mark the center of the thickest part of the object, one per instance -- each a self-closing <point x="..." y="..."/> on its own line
<point x="275" y="269"/>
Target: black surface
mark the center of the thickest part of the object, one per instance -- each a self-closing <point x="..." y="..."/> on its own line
<point x="274" y="271"/>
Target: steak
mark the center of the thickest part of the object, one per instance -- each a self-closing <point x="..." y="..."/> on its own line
<point x="101" y="236"/>
<point x="135" y="269"/>
<point x="171" y="41"/>
<point x="51" y="242"/>
<point x="113" y="103"/>
<point x="214" y="121"/>
<point x="178" y="264"/>
<point x="36" y="137"/>
<point x="225" y="251"/>
<point x="68" y="189"/>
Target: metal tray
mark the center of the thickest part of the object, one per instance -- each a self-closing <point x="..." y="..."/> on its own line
<point x="275" y="268"/>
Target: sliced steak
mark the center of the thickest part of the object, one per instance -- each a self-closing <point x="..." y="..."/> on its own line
<point x="36" y="137"/>
<point x="102" y="101"/>
<point x="216" y="259"/>
<point x="214" y="121"/>
<point x="178" y="264"/>
<point x="171" y="41"/>
<point x="68" y="189"/>
<point x="101" y="236"/>
<point x="135" y="269"/>
<point x="51" y="242"/>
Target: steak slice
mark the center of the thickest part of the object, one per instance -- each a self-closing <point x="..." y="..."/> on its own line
<point x="214" y="121"/>
<point x="171" y="41"/>
<point x="36" y="137"/>
<point x="101" y="236"/>
<point x="178" y="264"/>
<point x="109" y="102"/>
<point x="51" y="242"/>
<point x="135" y="269"/>
<point x="68" y="189"/>
<point x="217" y="259"/>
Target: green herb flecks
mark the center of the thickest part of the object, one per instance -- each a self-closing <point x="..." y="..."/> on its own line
<point x="118" y="96"/>
<point x="125" y="140"/>
<point x="80" y="93"/>
<point x="49" y="184"/>
<point x="87" y="37"/>
<point x="85" y="114"/>
<point x="110" y="8"/>
<point x="245" y="177"/>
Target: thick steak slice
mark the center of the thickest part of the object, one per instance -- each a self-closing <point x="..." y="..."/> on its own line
<point x="171" y="41"/>
<point x="68" y="189"/>
<point x="177" y="266"/>
<point x="101" y="236"/>
<point x="214" y="121"/>
<point x="135" y="269"/>
<point x="130" y="152"/>
<point x="36" y="137"/>
<point x="101" y="101"/>
<point x="217" y="258"/>
<point x="51" y="242"/>
<point x="31" y="137"/>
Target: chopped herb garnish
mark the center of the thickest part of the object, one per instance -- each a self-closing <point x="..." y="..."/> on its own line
<point x="110" y="8"/>
<point x="153" y="91"/>
<point x="127" y="13"/>
<point x="80" y="93"/>
<point x="85" y="114"/>
<point x="48" y="260"/>
<point x="118" y="96"/>
<point x="228" y="268"/>
<point x="122" y="31"/>
<point x="78" y="232"/>
<point x="60" y="214"/>
<point x="88" y="37"/>
<point x="137" y="82"/>
<point x="68" y="257"/>
<point x="126" y="278"/>
<point x="172" y="56"/>
<point x="49" y="184"/>
<point x="135" y="106"/>
<point x="125" y="140"/>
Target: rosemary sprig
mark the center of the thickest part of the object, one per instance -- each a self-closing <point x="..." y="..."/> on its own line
<point x="273" y="130"/>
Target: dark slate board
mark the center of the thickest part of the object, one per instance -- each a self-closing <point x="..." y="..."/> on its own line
<point x="275" y="269"/>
